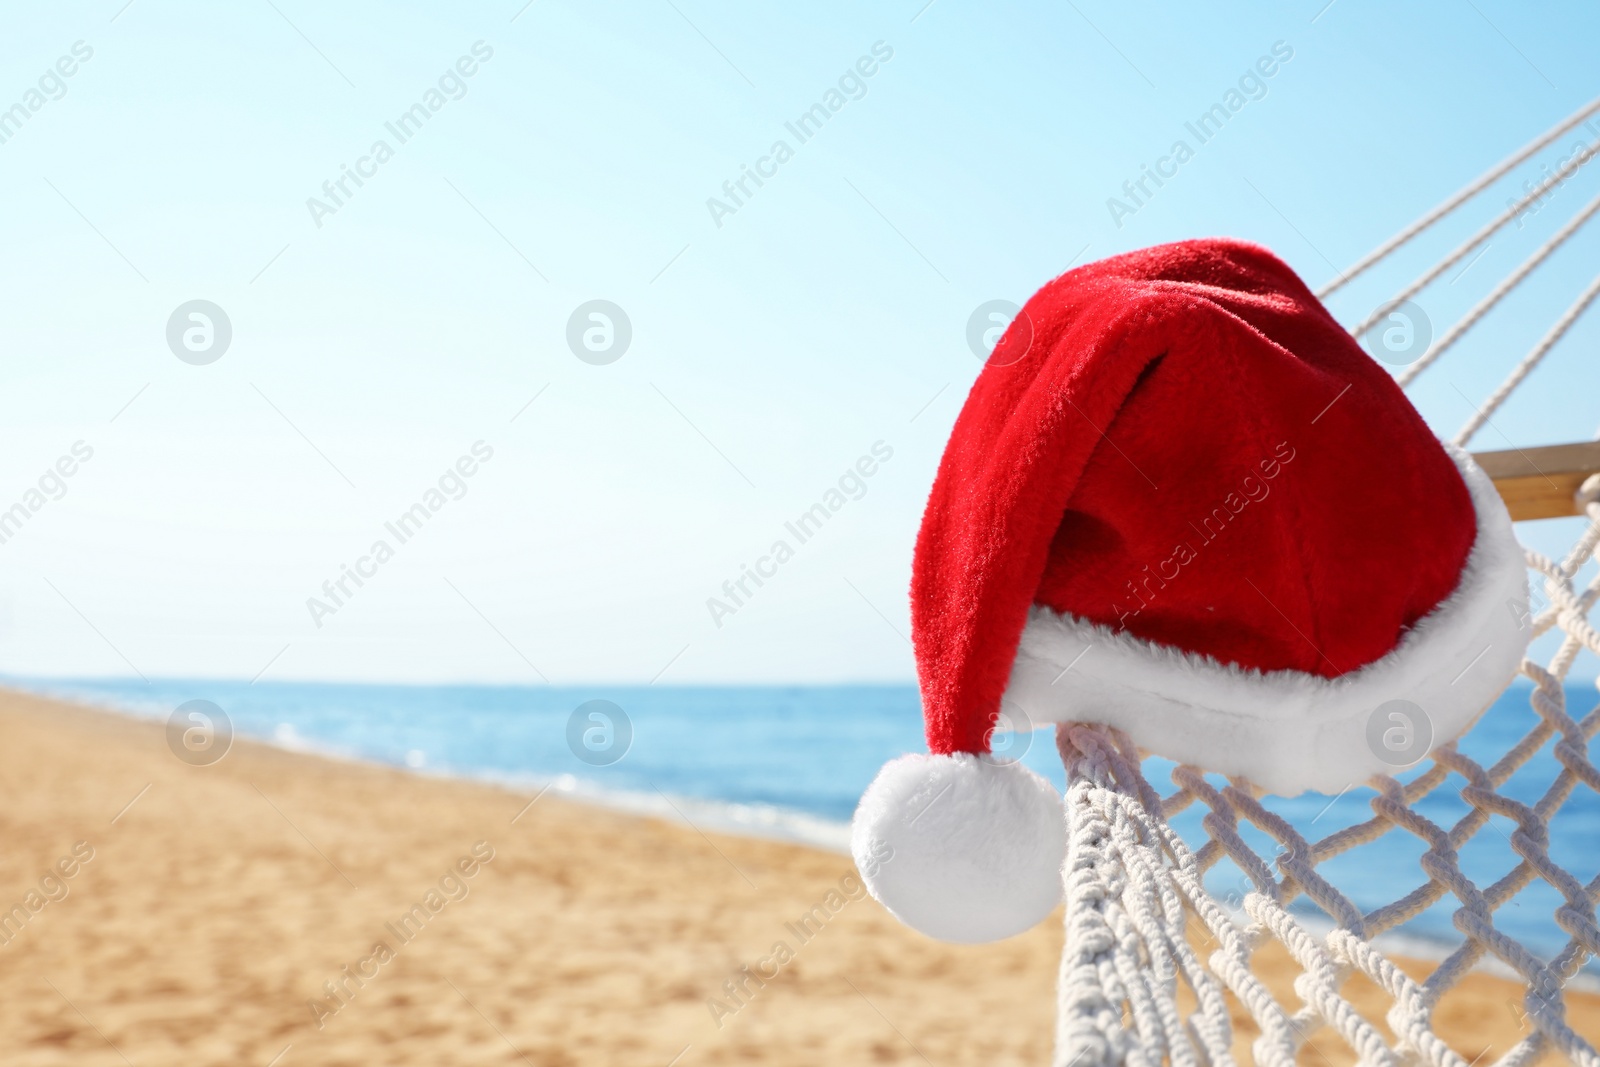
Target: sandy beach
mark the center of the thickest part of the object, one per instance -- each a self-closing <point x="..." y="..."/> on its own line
<point x="280" y="905"/>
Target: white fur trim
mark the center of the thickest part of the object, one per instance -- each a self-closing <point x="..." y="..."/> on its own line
<point x="1289" y="731"/>
<point x="964" y="848"/>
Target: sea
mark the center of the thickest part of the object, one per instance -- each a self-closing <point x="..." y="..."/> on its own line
<point x="790" y="762"/>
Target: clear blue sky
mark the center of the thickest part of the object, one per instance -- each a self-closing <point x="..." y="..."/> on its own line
<point x="768" y="353"/>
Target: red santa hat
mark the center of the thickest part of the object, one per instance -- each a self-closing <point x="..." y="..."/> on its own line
<point x="1183" y="501"/>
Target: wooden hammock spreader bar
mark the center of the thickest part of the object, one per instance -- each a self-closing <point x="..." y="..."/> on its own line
<point x="1541" y="483"/>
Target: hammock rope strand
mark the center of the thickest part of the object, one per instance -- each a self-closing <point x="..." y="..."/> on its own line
<point x="1487" y="179"/>
<point x="1531" y="360"/>
<point x="1499" y="293"/>
<point x="1466" y="247"/>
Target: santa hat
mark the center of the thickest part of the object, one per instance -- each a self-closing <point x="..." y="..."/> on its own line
<point x="1180" y="500"/>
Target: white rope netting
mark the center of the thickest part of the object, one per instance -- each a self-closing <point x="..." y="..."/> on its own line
<point x="1158" y="967"/>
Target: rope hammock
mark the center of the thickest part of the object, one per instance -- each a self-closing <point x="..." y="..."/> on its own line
<point x="1157" y="967"/>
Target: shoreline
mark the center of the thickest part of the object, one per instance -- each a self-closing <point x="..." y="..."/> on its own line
<point x="767" y="822"/>
<point x="761" y="822"/>
<point x="223" y="903"/>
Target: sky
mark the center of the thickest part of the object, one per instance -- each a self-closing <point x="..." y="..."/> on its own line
<point x="387" y="337"/>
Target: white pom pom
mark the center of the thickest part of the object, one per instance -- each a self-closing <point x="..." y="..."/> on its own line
<point x="963" y="848"/>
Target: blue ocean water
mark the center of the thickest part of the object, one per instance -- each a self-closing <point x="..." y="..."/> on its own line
<point x="792" y="762"/>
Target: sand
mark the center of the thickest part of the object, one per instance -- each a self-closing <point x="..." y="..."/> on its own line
<point x="219" y="901"/>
